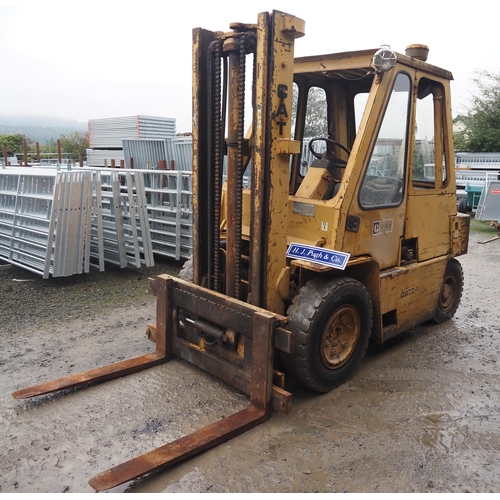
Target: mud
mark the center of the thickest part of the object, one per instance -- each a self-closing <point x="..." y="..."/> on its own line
<point x="422" y="413"/>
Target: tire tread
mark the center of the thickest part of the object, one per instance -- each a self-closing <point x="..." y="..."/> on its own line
<point x="302" y="312"/>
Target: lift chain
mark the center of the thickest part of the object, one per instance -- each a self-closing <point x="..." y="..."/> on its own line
<point x="218" y="168"/>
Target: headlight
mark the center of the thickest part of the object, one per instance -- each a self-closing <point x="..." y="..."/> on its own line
<point x="384" y="59"/>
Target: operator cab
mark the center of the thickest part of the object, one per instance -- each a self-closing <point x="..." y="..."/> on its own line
<point x="328" y="110"/>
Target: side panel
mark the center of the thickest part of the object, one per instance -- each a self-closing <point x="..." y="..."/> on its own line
<point x="460" y="224"/>
<point x="429" y="221"/>
<point x="409" y="295"/>
<point x="431" y="188"/>
<point x="378" y="235"/>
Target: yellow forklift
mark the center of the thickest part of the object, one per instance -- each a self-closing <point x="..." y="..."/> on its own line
<point x="304" y="248"/>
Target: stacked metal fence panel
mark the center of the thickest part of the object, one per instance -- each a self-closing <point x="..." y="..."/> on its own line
<point x="25" y="219"/>
<point x="108" y="133"/>
<point x="475" y="177"/>
<point x="45" y="220"/>
<point x="147" y="150"/>
<point x="60" y="223"/>
<point x="183" y="152"/>
<point x="477" y="161"/>
<point x="167" y="197"/>
<point x="125" y="218"/>
<point x="71" y="205"/>
<point x="169" y="201"/>
<point x="104" y="157"/>
<point x="146" y="153"/>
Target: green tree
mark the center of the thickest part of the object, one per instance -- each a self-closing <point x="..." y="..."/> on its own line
<point x="483" y="118"/>
<point x="418" y="164"/>
<point x="74" y="144"/>
<point x="50" y="147"/>
<point x="14" y="143"/>
<point x="460" y="141"/>
<point x="316" y="123"/>
<point x="316" y="115"/>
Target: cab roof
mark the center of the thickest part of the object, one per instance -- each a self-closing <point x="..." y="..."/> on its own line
<point x="356" y="64"/>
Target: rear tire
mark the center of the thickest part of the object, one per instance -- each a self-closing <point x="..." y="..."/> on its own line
<point x="331" y="322"/>
<point x="462" y="206"/>
<point x="450" y="293"/>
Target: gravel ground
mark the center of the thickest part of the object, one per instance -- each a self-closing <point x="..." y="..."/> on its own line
<point x="29" y="301"/>
<point x="422" y="413"/>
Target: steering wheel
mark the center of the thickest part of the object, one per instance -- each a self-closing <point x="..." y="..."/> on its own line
<point x="319" y="156"/>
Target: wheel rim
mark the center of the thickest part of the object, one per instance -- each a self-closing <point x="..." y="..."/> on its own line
<point x="340" y="336"/>
<point x="448" y="292"/>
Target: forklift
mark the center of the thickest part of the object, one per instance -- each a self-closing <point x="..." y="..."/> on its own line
<point x="304" y="248"/>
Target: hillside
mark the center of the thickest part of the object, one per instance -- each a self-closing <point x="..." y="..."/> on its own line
<point x="39" y="129"/>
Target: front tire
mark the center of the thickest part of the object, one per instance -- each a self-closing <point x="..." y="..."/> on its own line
<point x="450" y="293"/>
<point x="331" y="321"/>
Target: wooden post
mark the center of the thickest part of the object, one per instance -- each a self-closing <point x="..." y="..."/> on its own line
<point x="5" y="161"/>
<point x="81" y="161"/>
<point x="113" y="163"/>
<point x="172" y="164"/>
<point x="162" y="165"/>
<point x="25" y="151"/>
<point x="131" y="162"/>
<point x="122" y="163"/>
<point x="37" y="145"/>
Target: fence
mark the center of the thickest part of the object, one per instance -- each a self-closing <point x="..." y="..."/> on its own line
<point x="61" y="223"/>
<point x="44" y="220"/>
<point x="169" y="200"/>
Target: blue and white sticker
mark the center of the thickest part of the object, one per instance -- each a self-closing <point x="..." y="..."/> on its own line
<point x="319" y="255"/>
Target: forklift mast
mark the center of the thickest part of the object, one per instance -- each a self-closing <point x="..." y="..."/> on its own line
<point x="251" y="269"/>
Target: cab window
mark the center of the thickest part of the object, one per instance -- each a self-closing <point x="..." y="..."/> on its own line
<point x="384" y="178"/>
<point x="315" y="124"/>
<point x="428" y="157"/>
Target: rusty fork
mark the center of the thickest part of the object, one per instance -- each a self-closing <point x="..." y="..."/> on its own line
<point x="256" y="379"/>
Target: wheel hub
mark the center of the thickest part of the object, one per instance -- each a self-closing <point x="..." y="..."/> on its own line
<point x="448" y="293"/>
<point x="340" y="336"/>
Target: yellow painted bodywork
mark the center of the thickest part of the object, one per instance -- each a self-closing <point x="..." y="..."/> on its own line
<point x="412" y="293"/>
<point x="407" y="293"/>
<point x="399" y="251"/>
<point x="287" y="28"/>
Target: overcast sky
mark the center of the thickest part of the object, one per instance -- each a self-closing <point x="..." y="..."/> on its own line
<point x="84" y="60"/>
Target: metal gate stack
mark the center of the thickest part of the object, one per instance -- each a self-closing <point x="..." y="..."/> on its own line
<point x="60" y="223"/>
<point x="44" y="220"/>
<point x="124" y="214"/>
<point x="169" y="201"/>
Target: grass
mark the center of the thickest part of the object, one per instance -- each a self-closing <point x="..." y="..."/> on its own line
<point x="482" y="226"/>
